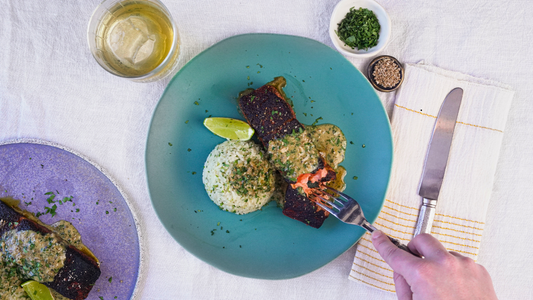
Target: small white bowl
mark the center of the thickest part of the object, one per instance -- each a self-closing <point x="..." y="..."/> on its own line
<point x="340" y="11"/>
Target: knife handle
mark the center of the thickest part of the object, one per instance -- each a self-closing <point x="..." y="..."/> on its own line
<point x="425" y="216"/>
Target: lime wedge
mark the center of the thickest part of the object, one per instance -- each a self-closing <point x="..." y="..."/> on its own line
<point x="232" y="129"/>
<point x="37" y="291"/>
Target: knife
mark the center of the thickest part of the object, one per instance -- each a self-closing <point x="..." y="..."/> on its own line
<point x="437" y="159"/>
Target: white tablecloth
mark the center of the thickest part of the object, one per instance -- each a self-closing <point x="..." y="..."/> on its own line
<point x="51" y="88"/>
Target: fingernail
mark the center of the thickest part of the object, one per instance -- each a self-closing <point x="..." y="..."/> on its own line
<point x="376" y="234"/>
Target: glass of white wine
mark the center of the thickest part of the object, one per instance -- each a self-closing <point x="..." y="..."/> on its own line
<point x="134" y="39"/>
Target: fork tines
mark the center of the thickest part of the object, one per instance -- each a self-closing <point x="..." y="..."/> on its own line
<point x="329" y="204"/>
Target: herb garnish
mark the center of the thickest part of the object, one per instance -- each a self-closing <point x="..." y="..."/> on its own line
<point x="359" y="29"/>
<point x="51" y="200"/>
<point x="51" y="210"/>
<point x="316" y="121"/>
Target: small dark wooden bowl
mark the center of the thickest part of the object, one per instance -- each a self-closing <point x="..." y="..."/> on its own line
<point x="370" y="70"/>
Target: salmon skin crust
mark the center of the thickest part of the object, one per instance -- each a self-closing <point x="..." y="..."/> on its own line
<point x="79" y="273"/>
<point x="271" y="116"/>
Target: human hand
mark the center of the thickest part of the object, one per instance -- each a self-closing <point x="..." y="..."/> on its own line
<point x="439" y="275"/>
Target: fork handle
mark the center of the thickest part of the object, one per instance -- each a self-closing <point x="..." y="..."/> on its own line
<point x="370" y="228"/>
<point x="402" y="246"/>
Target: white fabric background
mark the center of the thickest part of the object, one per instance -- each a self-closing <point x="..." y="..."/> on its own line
<point x="51" y="88"/>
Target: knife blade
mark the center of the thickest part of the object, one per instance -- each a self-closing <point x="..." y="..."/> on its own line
<point x="437" y="159"/>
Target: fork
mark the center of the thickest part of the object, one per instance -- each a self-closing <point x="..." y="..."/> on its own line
<point x="346" y="209"/>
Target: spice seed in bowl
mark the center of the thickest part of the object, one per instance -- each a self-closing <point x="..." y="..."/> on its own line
<point x="385" y="73"/>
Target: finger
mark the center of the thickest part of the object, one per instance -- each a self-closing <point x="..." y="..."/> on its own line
<point x="463" y="259"/>
<point x="427" y="246"/>
<point x="403" y="290"/>
<point x="399" y="260"/>
<point x="456" y="254"/>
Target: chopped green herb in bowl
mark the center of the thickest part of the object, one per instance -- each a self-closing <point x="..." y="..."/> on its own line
<point x="359" y="29"/>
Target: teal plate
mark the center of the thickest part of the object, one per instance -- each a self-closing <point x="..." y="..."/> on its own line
<point x="324" y="87"/>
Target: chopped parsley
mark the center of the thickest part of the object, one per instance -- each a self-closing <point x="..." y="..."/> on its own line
<point x="359" y="29"/>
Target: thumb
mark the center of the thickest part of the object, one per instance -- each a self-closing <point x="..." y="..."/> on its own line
<point x="399" y="260"/>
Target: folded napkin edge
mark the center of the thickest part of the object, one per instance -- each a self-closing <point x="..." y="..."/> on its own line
<point x="461" y="76"/>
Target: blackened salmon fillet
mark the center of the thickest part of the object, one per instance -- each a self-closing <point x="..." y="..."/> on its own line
<point x="272" y="117"/>
<point x="269" y="114"/>
<point x="79" y="272"/>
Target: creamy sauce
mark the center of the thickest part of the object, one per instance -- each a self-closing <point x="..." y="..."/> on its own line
<point x="10" y="282"/>
<point x="29" y="255"/>
<point x="297" y="153"/>
<point x="37" y="256"/>
<point x="69" y="233"/>
<point x="338" y="183"/>
<point x="330" y="141"/>
<point x="294" y="154"/>
<point x="58" y="296"/>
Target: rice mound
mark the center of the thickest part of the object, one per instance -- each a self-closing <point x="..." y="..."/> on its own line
<point x="238" y="177"/>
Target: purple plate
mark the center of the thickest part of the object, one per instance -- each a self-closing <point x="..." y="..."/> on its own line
<point x="30" y="170"/>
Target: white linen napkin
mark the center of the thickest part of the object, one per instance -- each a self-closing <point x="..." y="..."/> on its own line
<point x="467" y="186"/>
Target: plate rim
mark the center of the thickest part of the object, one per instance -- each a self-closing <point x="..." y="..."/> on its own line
<point x="335" y="52"/>
<point x="134" y="214"/>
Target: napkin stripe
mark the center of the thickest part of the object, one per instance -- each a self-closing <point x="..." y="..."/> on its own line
<point x="373" y="278"/>
<point x="400" y="211"/>
<point x="361" y="265"/>
<point x="415" y="111"/>
<point x="381" y="288"/>
<point x="457" y="237"/>
<point x="373" y="264"/>
<point x="387" y="213"/>
<point x="390" y="228"/>
<point x="435" y="226"/>
<point x="394" y="223"/>
<point x="479" y="126"/>
<point x="411" y="227"/>
<point x="445" y="222"/>
<point x="373" y="270"/>
<point x="460" y="219"/>
<point x="456" y="244"/>
<point x="437" y="214"/>
<point x="477" y="234"/>
<point x="401" y="205"/>
<point x="436" y="234"/>
<point x="459" y="122"/>
<point x="371" y="249"/>
<point x="381" y="260"/>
